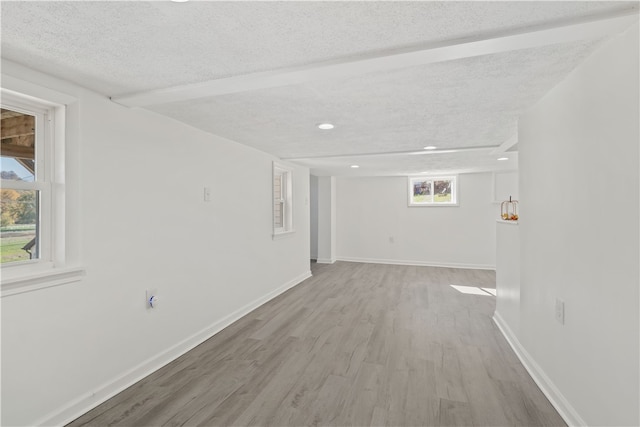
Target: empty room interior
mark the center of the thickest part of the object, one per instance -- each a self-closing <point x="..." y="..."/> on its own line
<point x="342" y="213"/>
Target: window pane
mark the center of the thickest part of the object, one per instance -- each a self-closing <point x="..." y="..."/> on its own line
<point x="19" y="224"/>
<point x="442" y="190"/>
<point x="18" y="146"/>
<point x="422" y="191"/>
<point x="277" y="187"/>
<point x="278" y="202"/>
<point x="278" y="218"/>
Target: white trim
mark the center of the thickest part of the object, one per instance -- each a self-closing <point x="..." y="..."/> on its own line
<point x="281" y="234"/>
<point x="556" y="398"/>
<point x="502" y="148"/>
<point x="46" y="279"/>
<point x="325" y="260"/>
<point x="418" y="263"/>
<point x="41" y="93"/>
<point x="435" y="205"/>
<point x="90" y="400"/>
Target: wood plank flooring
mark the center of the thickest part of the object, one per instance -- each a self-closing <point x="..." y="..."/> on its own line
<point x="355" y="345"/>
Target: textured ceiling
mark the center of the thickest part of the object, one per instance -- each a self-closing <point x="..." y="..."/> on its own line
<point x="468" y="102"/>
<point x="118" y="48"/>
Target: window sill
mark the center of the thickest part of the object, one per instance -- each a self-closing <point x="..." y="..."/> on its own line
<point x="507" y="221"/>
<point x="45" y="279"/>
<point x="434" y="205"/>
<point x="282" y="234"/>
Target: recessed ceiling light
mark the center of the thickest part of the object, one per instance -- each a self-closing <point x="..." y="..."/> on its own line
<point x="503" y="158"/>
<point x="430" y="147"/>
<point x="179" y="1"/>
<point x="325" y="126"/>
<point x="355" y="166"/>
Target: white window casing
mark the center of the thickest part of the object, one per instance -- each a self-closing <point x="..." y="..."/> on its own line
<point x="282" y="199"/>
<point x="50" y="268"/>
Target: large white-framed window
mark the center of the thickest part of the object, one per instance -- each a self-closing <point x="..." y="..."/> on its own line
<point x="33" y="194"/>
<point x="282" y="199"/>
<point x="433" y="190"/>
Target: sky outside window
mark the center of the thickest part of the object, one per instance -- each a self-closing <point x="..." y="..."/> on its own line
<point x="10" y="164"/>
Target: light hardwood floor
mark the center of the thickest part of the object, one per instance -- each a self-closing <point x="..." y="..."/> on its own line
<point x="355" y="345"/>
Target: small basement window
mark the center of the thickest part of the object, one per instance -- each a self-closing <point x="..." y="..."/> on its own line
<point x="433" y="191"/>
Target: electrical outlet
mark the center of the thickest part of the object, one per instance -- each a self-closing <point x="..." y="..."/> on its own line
<point x="560" y="311"/>
<point x="151" y="298"/>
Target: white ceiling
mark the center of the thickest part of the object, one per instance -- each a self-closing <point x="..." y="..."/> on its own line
<point x="392" y="76"/>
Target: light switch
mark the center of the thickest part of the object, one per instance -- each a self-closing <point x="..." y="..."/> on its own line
<point x="560" y="311"/>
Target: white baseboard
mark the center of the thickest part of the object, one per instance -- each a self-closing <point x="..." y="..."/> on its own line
<point x="85" y="403"/>
<point x="418" y="263"/>
<point x="562" y="405"/>
<point x="325" y="261"/>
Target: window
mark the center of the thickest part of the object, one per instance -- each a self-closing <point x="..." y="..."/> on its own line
<point x="282" y="199"/>
<point x="433" y="191"/>
<point x="30" y="192"/>
<point x="33" y="230"/>
<point x="26" y="185"/>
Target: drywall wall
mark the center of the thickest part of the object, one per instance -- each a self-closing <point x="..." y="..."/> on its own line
<point x="136" y="201"/>
<point x="326" y="219"/>
<point x="505" y="185"/>
<point x="508" y="274"/>
<point x="375" y="224"/>
<point x="313" y="206"/>
<point x="579" y="237"/>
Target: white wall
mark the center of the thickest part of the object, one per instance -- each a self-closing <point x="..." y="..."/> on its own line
<point x="508" y="274"/>
<point x="375" y="224"/>
<point x="579" y="194"/>
<point x="313" y="195"/>
<point x="505" y="186"/>
<point x="136" y="195"/>
<point x="326" y="219"/>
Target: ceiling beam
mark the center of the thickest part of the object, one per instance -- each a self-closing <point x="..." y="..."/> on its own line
<point x="395" y="153"/>
<point x="506" y="145"/>
<point x="524" y="39"/>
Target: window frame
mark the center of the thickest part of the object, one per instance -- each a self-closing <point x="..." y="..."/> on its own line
<point x="43" y="179"/>
<point x="50" y="268"/>
<point x="285" y="200"/>
<point x="455" y="190"/>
